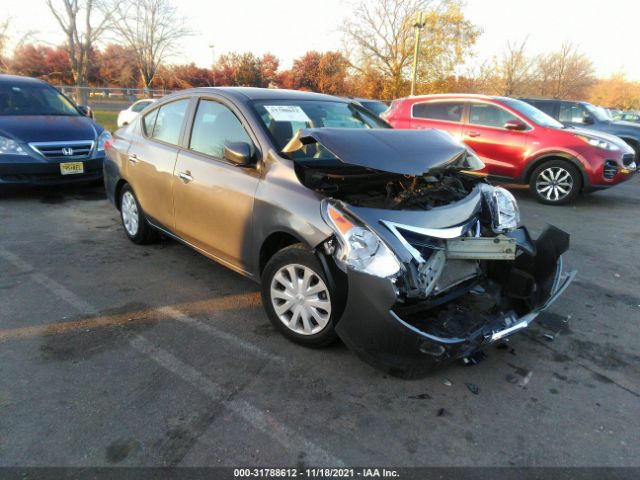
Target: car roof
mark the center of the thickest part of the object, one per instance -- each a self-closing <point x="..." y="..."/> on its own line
<point x="20" y="80"/>
<point x="245" y="94"/>
<point x="549" y="99"/>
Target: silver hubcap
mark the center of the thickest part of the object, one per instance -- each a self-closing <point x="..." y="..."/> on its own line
<point x="300" y="298"/>
<point x="129" y="210"/>
<point x="554" y="183"/>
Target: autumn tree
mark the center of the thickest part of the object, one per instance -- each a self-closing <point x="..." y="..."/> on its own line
<point x="4" y="39"/>
<point x="28" y="60"/>
<point x="380" y="36"/>
<point x="56" y="66"/>
<point x="178" y="77"/>
<point x="117" y="66"/>
<point x="246" y="69"/>
<point x="616" y="91"/>
<point x="515" y="69"/>
<point x="83" y="22"/>
<point x="321" y="72"/>
<point x="152" y="29"/>
<point x="567" y="73"/>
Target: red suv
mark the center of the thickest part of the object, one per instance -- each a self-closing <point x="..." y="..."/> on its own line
<point x="521" y="144"/>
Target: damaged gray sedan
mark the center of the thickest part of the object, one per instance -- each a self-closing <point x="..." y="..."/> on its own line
<point x="388" y="239"/>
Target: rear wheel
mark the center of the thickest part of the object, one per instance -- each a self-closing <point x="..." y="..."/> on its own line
<point x="297" y="298"/>
<point x="133" y="219"/>
<point x="556" y="182"/>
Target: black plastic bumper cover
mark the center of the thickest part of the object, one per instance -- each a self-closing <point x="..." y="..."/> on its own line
<point x="370" y="327"/>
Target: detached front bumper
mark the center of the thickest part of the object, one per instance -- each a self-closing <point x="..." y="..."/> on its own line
<point x="410" y="340"/>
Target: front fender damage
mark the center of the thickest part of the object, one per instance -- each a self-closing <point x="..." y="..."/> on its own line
<point x="410" y="337"/>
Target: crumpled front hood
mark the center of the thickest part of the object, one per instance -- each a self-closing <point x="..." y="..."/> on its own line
<point x="404" y="152"/>
<point x="48" y="128"/>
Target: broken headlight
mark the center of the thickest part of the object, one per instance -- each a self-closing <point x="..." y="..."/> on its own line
<point x="505" y="214"/>
<point x="359" y="248"/>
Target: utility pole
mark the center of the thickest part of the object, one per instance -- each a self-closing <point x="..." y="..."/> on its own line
<point x="418" y="25"/>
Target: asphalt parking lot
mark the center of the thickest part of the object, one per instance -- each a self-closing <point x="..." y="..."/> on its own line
<point x="116" y="354"/>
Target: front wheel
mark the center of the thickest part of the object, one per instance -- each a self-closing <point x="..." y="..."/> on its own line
<point x="555" y="183"/>
<point x="133" y="219"/>
<point x="297" y="298"/>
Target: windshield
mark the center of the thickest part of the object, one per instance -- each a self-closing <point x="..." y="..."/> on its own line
<point x="283" y="118"/>
<point x="597" y="112"/>
<point x="533" y="114"/>
<point x="36" y="99"/>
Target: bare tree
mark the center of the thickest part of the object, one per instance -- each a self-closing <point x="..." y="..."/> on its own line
<point x="380" y="36"/>
<point x="565" y="73"/>
<point x="516" y="69"/>
<point x="77" y="18"/>
<point x="152" y="30"/>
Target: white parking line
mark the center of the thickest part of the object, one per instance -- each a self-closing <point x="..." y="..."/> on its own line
<point x="54" y="287"/>
<point x="259" y="419"/>
<point x="216" y="332"/>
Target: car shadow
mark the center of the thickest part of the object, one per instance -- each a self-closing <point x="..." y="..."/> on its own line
<point x="53" y="194"/>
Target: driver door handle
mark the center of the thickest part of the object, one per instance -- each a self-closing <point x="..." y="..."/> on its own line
<point x="473" y="133"/>
<point x="185" y="176"/>
<point x="133" y="158"/>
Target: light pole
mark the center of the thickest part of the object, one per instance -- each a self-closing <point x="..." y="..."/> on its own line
<point x="418" y="25"/>
<point x="213" y="63"/>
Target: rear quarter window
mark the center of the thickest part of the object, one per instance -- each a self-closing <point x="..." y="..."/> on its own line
<point x="447" y="111"/>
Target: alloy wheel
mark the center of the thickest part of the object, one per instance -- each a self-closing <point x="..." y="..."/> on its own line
<point x="554" y="183"/>
<point x="300" y="299"/>
<point x="130" y="216"/>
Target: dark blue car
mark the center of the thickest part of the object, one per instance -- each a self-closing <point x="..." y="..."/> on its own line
<point x="44" y="137"/>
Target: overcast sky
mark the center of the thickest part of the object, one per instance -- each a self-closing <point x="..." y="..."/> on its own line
<point x="607" y="31"/>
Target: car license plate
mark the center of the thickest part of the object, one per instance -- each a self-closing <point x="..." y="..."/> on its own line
<point x="71" y="168"/>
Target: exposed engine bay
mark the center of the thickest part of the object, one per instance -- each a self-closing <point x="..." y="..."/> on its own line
<point x="364" y="187"/>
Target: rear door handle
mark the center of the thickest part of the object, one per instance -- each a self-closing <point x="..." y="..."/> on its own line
<point x="133" y="158"/>
<point x="185" y="176"/>
<point x="473" y="133"/>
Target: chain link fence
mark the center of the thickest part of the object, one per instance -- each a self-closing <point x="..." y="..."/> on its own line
<point x="109" y="98"/>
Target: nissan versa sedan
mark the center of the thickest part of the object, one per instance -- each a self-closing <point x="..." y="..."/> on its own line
<point x="388" y="239"/>
<point x="44" y="137"/>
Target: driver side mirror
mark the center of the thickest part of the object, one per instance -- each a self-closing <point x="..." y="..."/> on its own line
<point x="515" y="125"/>
<point x="587" y="119"/>
<point x="85" y="110"/>
<point x="238" y="153"/>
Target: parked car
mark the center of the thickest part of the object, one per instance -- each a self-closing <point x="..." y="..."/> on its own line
<point x="44" y="137"/>
<point x="585" y="115"/>
<point x="127" y="115"/>
<point x="628" y="117"/>
<point x="384" y="238"/>
<point x="520" y="144"/>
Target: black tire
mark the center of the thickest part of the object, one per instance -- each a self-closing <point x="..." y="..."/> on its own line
<point x="144" y="233"/>
<point x="300" y="256"/>
<point x="555" y="182"/>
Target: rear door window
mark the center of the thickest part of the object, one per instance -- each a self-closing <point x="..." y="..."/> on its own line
<point x="571" y="113"/>
<point x="168" y="121"/>
<point x="547" y="107"/>
<point x="489" y="115"/>
<point x="447" y="111"/>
